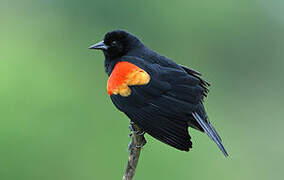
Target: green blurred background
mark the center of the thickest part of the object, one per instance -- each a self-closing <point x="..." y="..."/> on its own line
<point x="57" y="121"/>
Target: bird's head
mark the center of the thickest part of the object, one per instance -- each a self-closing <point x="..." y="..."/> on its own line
<point x="117" y="43"/>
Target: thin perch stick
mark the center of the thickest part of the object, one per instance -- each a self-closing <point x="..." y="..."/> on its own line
<point x="137" y="141"/>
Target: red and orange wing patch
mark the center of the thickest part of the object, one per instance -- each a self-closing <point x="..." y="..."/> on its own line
<point x="124" y="75"/>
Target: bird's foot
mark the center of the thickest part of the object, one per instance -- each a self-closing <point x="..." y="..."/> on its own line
<point x="132" y="129"/>
<point x="136" y="132"/>
<point x="132" y="145"/>
<point x="142" y="144"/>
<point x="140" y="140"/>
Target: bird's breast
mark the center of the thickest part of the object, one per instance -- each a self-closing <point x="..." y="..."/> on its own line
<point x="125" y="74"/>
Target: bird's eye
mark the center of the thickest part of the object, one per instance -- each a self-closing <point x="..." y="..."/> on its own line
<point x="113" y="43"/>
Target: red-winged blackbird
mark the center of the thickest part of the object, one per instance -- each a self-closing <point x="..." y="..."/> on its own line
<point x="160" y="96"/>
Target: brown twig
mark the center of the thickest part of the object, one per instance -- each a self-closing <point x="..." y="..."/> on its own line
<point x="137" y="141"/>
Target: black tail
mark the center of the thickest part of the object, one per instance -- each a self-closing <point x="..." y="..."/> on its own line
<point x="211" y="132"/>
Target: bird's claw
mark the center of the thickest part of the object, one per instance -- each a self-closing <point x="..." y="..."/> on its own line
<point x="133" y="131"/>
<point x="132" y="128"/>
<point x="143" y="144"/>
<point x="138" y="147"/>
<point x="130" y="145"/>
<point x="139" y="133"/>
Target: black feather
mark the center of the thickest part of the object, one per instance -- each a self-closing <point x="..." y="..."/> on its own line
<point x="172" y="100"/>
<point x="163" y="127"/>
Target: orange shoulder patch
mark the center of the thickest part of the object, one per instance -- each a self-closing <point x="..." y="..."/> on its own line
<point x="125" y="74"/>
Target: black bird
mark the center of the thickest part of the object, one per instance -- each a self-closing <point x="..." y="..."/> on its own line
<point x="161" y="97"/>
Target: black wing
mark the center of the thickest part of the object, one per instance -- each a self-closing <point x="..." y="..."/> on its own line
<point x="164" y="107"/>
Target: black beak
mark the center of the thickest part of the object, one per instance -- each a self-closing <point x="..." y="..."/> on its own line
<point x="100" y="46"/>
